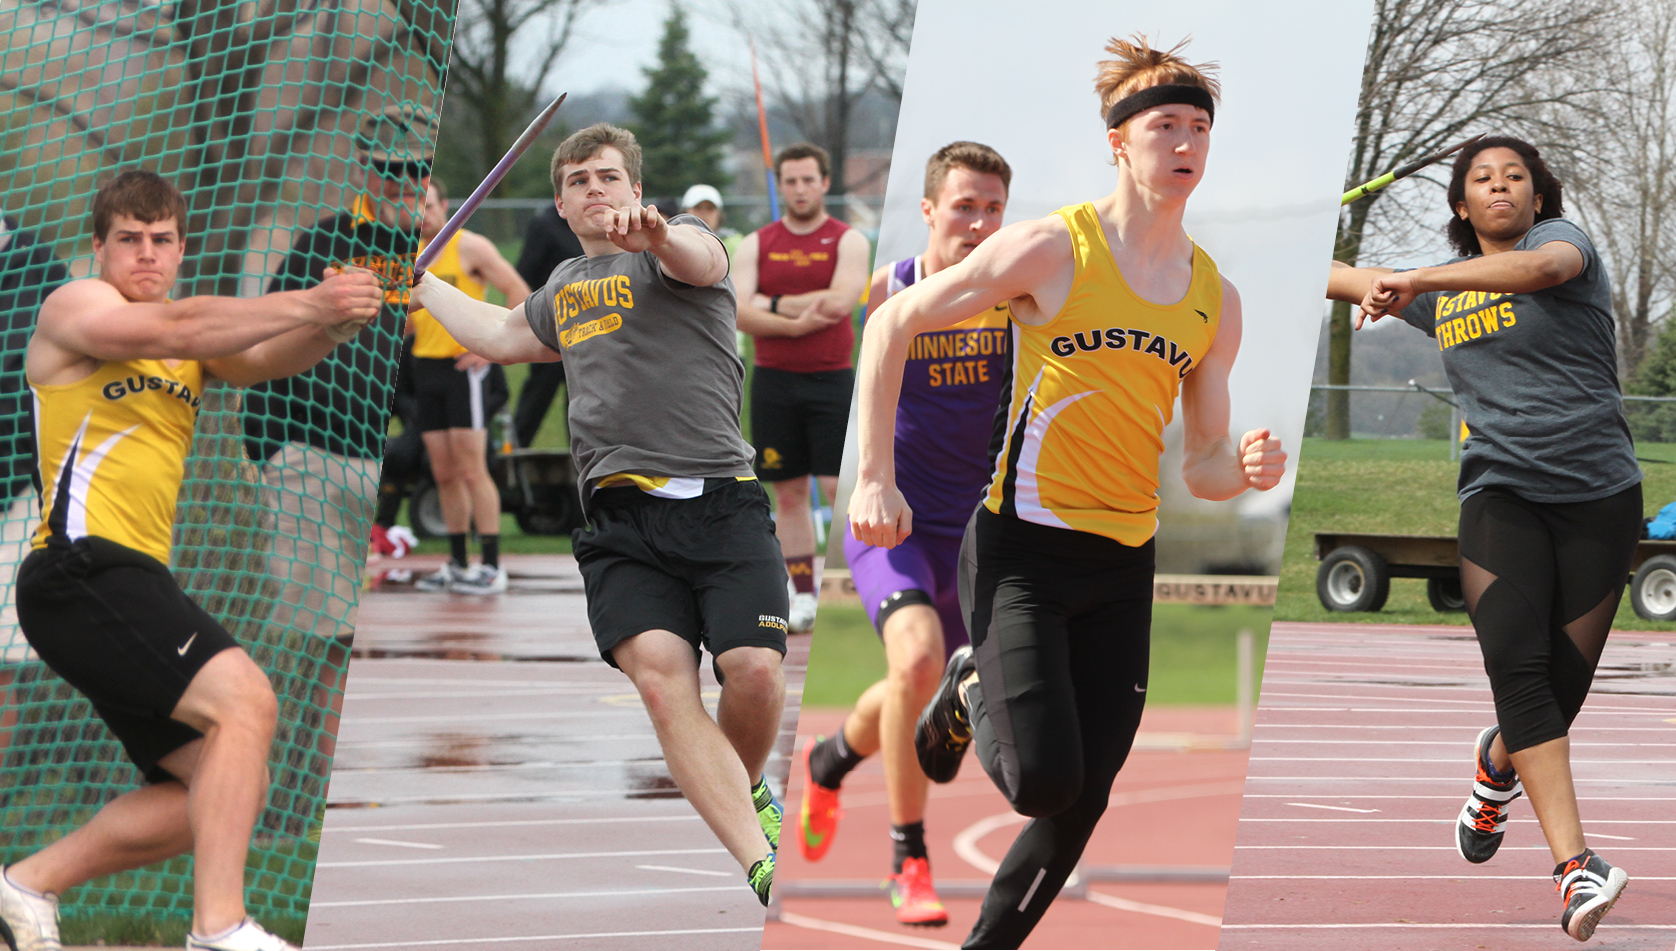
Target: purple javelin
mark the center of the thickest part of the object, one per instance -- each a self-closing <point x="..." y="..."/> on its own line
<point x="457" y="220"/>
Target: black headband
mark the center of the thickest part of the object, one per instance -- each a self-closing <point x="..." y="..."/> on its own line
<point x="1155" y="96"/>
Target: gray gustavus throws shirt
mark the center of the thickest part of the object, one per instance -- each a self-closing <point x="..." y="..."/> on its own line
<point x="655" y="385"/>
<point x="1537" y="379"/>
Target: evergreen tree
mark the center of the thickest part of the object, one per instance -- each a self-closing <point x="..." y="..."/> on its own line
<point x="674" y="119"/>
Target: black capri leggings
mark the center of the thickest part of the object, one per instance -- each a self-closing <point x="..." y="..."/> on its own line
<point x="1542" y="582"/>
<point x="1061" y="626"/>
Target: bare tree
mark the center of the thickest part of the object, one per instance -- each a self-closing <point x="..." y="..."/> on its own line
<point x="482" y="67"/>
<point x="1437" y="71"/>
<point x="823" y="56"/>
<point x="1621" y="189"/>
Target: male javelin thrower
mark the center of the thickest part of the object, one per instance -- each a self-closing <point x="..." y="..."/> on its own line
<point x="680" y="550"/>
<point x="117" y="370"/>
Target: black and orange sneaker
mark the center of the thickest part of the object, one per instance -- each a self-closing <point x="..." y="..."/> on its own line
<point x="1483" y="819"/>
<point x="1590" y="888"/>
<point x="916" y="902"/>
<point x="944" y="731"/>
<point x="817" y="819"/>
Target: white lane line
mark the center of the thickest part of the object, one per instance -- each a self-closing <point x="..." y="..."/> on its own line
<point x="546" y="896"/>
<point x="966" y="841"/>
<point x="856" y="931"/>
<point x="1451" y="821"/>
<point x="1287" y="741"/>
<point x="1161" y="911"/>
<point x="533" y="937"/>
<point x="450" y="799"/>
<point x="1621" y="838"/>
<point x="689" y="871"/>
<point x="1416" y="730"/>
<point x="693" y="817"/>
<point x="549" y="764"/>
<point x="398" y="842"/>
<point x="1453" y="780"/>
<point x="1393" y="760"/>
<point x="1312" y="805"/>
<point x="544" y="857"/>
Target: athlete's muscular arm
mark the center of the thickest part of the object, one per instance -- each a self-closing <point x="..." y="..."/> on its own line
<point x="1211" y="466"/>
<point x="759" y="321"/>
<point x="289" y="353"/>
<point x="687" y="253"/>
<point x="494" y="333"/>
<point x="87" y="322"/>
<point x="1028" y="264"/>
<point x="1506" y="272"/>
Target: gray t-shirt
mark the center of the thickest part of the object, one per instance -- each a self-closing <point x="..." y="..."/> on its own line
<point x="1537" y="379"/>
<point x="655" y="385"/>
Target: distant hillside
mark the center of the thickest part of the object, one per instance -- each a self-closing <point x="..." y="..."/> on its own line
<point x="1389" y="353"/>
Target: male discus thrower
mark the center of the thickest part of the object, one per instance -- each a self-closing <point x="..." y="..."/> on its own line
<point x="458" y="219"/>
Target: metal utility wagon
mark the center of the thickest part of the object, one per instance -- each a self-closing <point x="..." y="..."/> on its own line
<point x="1357" y="568"/>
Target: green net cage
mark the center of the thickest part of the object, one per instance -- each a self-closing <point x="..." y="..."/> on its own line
<point x="258" y="112"/>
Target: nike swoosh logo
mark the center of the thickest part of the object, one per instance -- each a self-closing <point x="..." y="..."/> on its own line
<point x="182" y="649"/>
<point x="1140" y="689"/>
<point x="828" y="240"/>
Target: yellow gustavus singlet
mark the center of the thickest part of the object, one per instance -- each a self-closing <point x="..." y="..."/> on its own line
<point x="112" y="452"/>
<point x="1092" y="390"/>
<point x="430" y="338"/>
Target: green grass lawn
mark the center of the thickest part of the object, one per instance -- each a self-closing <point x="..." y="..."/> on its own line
<point x="1404" y="486"/>
<point x="1193" y="654"/>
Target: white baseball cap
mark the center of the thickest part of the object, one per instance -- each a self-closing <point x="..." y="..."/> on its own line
<point x="701" y="193"/>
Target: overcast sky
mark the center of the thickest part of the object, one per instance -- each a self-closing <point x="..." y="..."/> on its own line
<point x="1267" y="207"/>
<point x="615" y="42"/>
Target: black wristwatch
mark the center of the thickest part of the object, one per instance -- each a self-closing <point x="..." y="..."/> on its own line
<point x="774" y="304"/>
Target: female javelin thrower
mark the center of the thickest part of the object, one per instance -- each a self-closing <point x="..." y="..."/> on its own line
<point x="1550" y="491"/>
<point x="1115" y="311"/>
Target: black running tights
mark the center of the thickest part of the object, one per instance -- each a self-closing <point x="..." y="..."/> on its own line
<point x="1542" y="582"/>
<point x="1061" y="629"/>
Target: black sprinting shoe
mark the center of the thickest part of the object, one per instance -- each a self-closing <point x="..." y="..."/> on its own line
<point x="1590" y="888"/>
<point x="943" y="731"/>
<point x="1479" y="829"/>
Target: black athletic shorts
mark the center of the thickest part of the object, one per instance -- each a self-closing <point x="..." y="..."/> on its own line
<point x="798" y="421"/>
<point x="708" y="569"/>
<point x="456" y="399"/>
<point x="113" y="623"/>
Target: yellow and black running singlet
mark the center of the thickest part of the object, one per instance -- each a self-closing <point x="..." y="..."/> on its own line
<point x="430" y="338"/>
<point x="112" y="451"/>
<point x="1092" y="390"/>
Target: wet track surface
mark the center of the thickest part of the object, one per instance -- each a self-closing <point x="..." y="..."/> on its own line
<point x="1361" y="760"/>
<point x="496" y="783"/>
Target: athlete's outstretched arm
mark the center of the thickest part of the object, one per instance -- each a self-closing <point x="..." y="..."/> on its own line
<point x="289" y="353"/>
<point x="1212" y="466"/>
<point x="90" y="319"/>
<point x="494" y="333"/>
<point x="1507" y="272"/>
<point x="1018" y="261"/>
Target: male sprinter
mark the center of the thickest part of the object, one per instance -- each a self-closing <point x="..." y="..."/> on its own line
<point x="950" y="390"/>
<point x="117" y="371"/>
<point x="455" y="390"/>
<point x="679" y="551"/>
<point x="799" y="279"/>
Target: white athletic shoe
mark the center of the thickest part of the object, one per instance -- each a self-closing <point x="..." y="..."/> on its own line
<point x="479" y="579"/>
<point x="440" y="579"/>
<point x="802" y="619"/>
<point x="28" y="920"/>
<point x="248" y="936"/>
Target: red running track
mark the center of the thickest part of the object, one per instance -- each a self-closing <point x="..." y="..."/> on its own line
<point x="1173" y="804"/>
<point x="497" y="785"/>
<point x="1361" y="760"/>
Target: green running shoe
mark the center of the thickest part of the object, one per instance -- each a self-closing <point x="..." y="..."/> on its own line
<point x="762" y="878"/>
<point x="769" y="812"/>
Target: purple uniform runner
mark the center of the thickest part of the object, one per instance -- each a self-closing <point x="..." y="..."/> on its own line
<point x="951" y="387"/>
